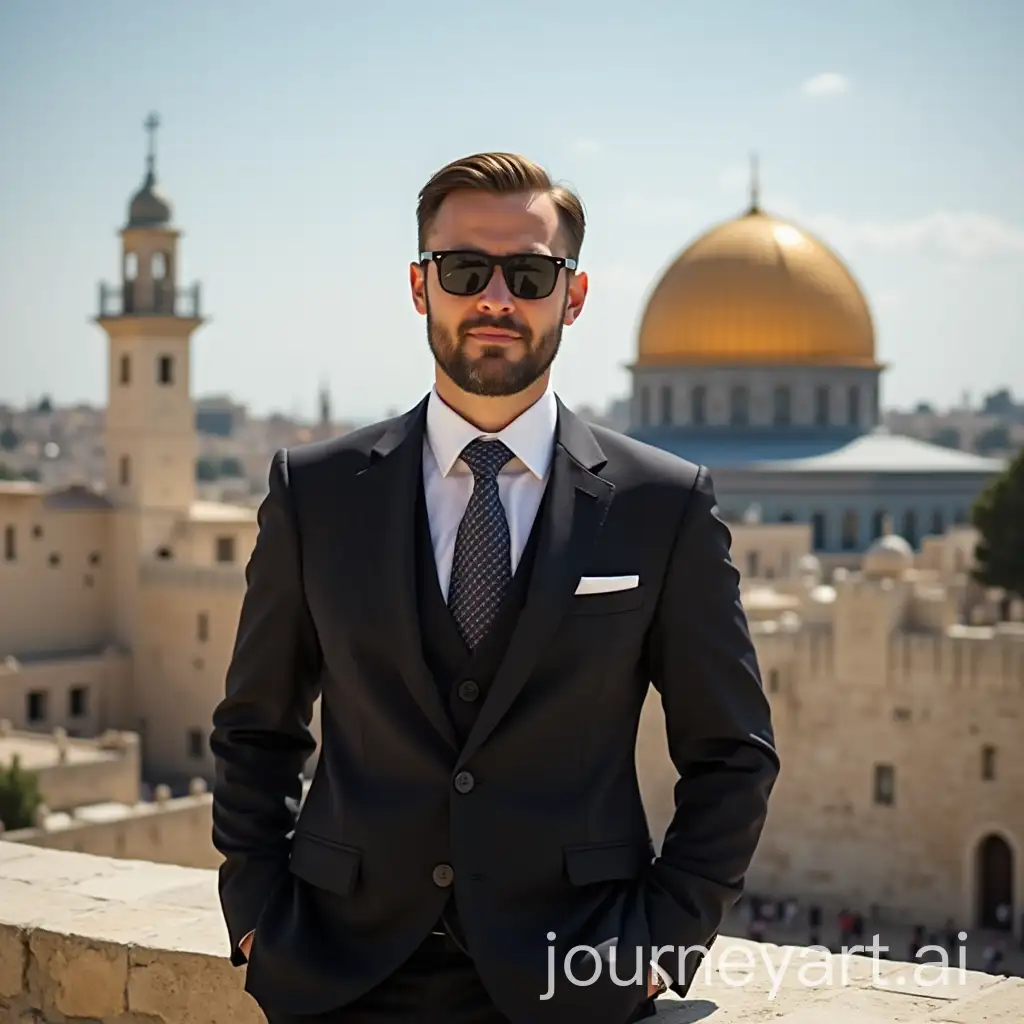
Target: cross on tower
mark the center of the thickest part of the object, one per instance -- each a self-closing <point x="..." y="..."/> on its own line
<point x="151" y="124"/>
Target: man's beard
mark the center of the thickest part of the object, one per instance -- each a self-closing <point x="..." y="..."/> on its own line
<point x="492" y="373"/>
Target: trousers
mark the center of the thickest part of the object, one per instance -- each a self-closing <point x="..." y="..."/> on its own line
<point x="438" y="984"/>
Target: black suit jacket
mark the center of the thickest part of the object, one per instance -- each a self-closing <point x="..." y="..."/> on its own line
<point x="551" y="835"/>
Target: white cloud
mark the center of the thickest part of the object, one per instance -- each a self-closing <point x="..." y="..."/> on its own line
<point x="830" y="83"/>
<point x="960" y="235"/>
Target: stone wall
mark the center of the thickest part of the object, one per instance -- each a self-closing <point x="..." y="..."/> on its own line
<point x="91" y="939"/>
<point x="177" y="831"/>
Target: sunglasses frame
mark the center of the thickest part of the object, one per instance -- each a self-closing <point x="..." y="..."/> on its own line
<point x="435" y="256"/>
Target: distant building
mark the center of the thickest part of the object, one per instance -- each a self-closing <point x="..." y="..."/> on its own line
<point x="219" y="416"/>
<point x="119" y="605"/>
<point x="897" y="696"/>
<point x="756" y="356"/>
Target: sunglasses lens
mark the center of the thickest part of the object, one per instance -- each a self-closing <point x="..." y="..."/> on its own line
<point x="531" y="277"/>
<point x="463" y="273"/>
<point x="467" y="273"/>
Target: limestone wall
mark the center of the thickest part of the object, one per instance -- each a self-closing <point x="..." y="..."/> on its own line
<point x="175" y="832"/>
<point x="121" y="942"/>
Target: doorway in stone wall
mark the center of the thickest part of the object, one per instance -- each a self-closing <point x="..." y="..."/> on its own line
<point x="994" y="882"/>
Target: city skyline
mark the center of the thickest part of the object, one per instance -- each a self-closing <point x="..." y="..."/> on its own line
<point x="284" y="141"/>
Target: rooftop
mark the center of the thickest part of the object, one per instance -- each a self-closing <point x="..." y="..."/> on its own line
<point x="220" y="512"/>
<point x="42" y="751"/>
<point x="804" y="450"/>
<point x="116" y="940"/>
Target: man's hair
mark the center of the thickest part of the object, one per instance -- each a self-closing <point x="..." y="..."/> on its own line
<point x="501" y="174"/>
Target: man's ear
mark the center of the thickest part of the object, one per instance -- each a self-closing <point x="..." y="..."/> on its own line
<point x="418" y="287"/>
<point x="578" y="285"/>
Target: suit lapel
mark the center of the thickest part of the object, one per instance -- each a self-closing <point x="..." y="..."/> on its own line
<point x="573" y="513"/>
<point x="387" y="504"/>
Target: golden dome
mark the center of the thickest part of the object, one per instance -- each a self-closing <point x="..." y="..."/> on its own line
<point x="757" y="290"/>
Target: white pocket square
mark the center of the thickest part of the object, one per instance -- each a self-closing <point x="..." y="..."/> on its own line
<point x="606" y="584"/>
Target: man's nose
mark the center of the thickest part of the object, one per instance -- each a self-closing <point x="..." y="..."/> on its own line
<point x="496" y="298"/>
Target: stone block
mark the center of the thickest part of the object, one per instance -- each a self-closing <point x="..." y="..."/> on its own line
<point x="133" y="881"/>
<point x="185" y="989"/>
<point x="1000" y="1003"/>
<point x="76" y="977"/>
<point x="13" y="953"/>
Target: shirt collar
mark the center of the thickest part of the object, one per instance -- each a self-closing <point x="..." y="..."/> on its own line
<point x="529" y="436"/>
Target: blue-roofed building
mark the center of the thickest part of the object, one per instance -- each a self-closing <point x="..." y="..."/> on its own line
<point x="756" y="357"/>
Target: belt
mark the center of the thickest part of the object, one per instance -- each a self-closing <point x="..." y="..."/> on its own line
<point x="449" y="930"/>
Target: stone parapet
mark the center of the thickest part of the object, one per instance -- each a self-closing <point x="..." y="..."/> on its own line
<point x="85" y="938"/>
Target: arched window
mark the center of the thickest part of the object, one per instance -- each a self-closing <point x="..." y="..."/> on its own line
<point x="739" y="406"/>
<point x="851" y="530"/>
<point x="666" y="405"/>
<point x="853" y="405"/>
<point x="821" y="411"/>
<point x="783" y="406"/>
<point x="988" y="763"/>
<point x="699" y="405"/>
<point x="818" y="529"/>
<point x="878" y="524"/>
<point x="910" y="527"/>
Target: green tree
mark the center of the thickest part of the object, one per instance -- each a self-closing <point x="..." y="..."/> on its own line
<point x="994" y="439"/>
<point x="998" y="516"/>
<point x="19" y="796"/>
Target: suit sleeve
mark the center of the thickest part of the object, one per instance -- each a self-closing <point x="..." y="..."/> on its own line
<point x="719" y="731"/>
<point x="261" y="735"/>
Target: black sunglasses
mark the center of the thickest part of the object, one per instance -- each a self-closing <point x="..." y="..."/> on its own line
<point x="529" y="275"/>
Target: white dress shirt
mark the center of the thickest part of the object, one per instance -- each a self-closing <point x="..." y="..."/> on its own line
<point x="448" y="481"/>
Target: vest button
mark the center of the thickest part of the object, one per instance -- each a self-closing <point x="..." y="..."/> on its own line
<point x="444" y="875"/>
<point x="464" y="782"/>
<point x="469" y="690"/>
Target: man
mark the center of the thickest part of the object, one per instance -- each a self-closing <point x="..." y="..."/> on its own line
<point x="482" y="591"/>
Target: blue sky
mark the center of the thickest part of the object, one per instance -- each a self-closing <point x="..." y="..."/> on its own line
<point x="296" y="136"/>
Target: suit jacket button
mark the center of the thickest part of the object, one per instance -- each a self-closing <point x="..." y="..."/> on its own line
<point x="469" y="691"/>
<point x="444" y="875"/>
<point x="464" y="782"/>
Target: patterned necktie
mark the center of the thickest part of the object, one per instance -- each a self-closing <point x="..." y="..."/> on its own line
<point x="482" y="563"/>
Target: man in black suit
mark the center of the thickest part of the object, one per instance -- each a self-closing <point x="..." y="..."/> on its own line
<point x="482" y="591"/>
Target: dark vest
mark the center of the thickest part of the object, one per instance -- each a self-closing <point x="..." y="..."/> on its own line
<point x="463" y="676"/>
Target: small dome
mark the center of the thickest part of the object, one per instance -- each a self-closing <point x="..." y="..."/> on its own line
<point x="149" y="207"/>
<point x="889" y="555"/>
<point x="891" y="544"/>
<point x="809" y="566"/>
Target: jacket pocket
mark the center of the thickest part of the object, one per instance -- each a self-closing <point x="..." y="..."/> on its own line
<point x="607" y="603"/>
<point x="325" y="863"/>
<point x="606" y="862"/>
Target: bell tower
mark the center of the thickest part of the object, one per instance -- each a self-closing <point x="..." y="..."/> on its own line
<point x="149" y="321"/>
